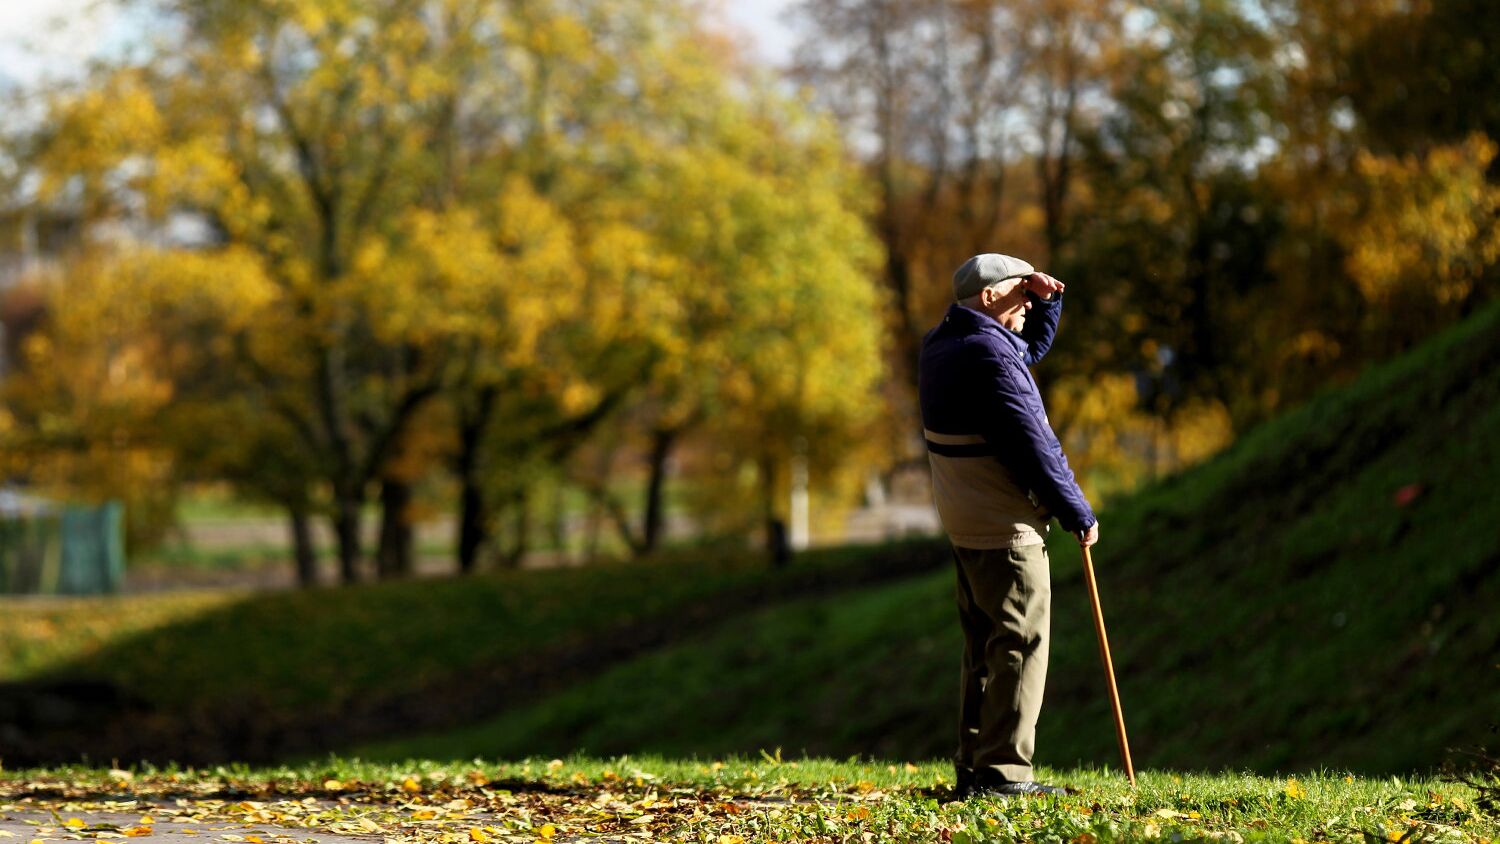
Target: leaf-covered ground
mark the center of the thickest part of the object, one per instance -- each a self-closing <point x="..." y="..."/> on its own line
<point x="722" y="802"/>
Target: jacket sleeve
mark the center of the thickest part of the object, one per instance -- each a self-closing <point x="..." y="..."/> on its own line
<point x="1041" y="325"/>
<point x="1017" y="427"/>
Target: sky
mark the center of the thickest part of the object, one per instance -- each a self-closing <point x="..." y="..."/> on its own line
<point x="50" y="37"/>
<point x="762" y="19"/>
<point x="43" y="38"/>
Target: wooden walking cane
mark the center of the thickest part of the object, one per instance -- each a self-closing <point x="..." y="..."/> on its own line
<point x="1109" y="666"/>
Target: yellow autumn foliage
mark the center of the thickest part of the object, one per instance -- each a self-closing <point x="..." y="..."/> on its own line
<point x="1114" y="445"/>
<point x="1429" y="224"/>
<point x="402" y="211"/>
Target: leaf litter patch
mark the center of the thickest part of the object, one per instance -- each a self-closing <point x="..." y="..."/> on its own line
<point x="177" y="810"/>
<point x="839" y="805"/>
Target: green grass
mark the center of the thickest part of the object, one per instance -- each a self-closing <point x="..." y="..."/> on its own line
<point x="768" y="799"/>
<point x="321" y="648"/>
<point x="216" y="502"/>
<point x="1274" y="610"/>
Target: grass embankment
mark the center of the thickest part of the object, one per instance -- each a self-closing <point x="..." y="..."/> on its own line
<point x="1322" y="594"/>
<point x="323" y="648"/>
<point x="732" y="801"/>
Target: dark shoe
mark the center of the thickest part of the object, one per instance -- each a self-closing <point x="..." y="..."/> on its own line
<point x="963" y="782"/>
<point x="1017" y="789"/>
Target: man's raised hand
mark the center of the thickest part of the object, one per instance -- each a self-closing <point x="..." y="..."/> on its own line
<point x="1043" y="285"/>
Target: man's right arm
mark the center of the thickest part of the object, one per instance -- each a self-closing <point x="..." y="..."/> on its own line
<point x="1028" y="446"/>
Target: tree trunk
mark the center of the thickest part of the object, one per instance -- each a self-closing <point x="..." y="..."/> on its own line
<point x="778" y="550"/>
<point x="1200" y="362"/>
<point x="662" y="441"/>
<point x="394" y="557"/>
<point x="346" y="527"/>
<point x="473" y="517"/>
<point x="898" y="276"/>
<point x="471" y="526"/>
<point x="303" y="550"/>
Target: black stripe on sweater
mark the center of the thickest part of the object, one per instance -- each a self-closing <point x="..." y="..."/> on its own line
<point x="974" y="450"/>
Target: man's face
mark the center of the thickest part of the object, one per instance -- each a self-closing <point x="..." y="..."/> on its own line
<point x="1007" y="303"/>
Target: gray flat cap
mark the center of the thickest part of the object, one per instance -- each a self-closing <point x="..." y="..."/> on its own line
<point x="981" y="271"/>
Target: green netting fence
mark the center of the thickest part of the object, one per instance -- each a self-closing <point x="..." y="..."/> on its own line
<point x="63" y="550"/>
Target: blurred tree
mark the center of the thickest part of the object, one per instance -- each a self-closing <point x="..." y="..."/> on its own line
<point x="1423" y="74"/>
<point x="1174" y="225"/>
<point x="501" y="219"/>
<point x="948" y="99"/>
<point x="751" y="243"/>
<point x="1389" y="225"/>
<point x="752" y="360"/>
<point x="109" y="388"/>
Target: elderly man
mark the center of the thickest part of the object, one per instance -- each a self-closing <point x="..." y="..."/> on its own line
<point x="998" y="476"/>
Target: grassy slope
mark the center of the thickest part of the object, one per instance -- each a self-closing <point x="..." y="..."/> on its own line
<point x="1273" y="609"/>
<point x="320" y="648"/>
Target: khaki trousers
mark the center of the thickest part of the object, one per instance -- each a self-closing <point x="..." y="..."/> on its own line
<point x="1004" y="606"/>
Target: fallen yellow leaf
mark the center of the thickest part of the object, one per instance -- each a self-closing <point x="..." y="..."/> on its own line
<point x="477" y="834"/>
<point x="1169" y="813"/>
<point x="75" y="823"/>
<point x="547" y="830"/>
<point x="423" y="815"/>
<point x="333" y="785"/>
<point x="137" y="831"/>
<point x="411" y="785"/>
